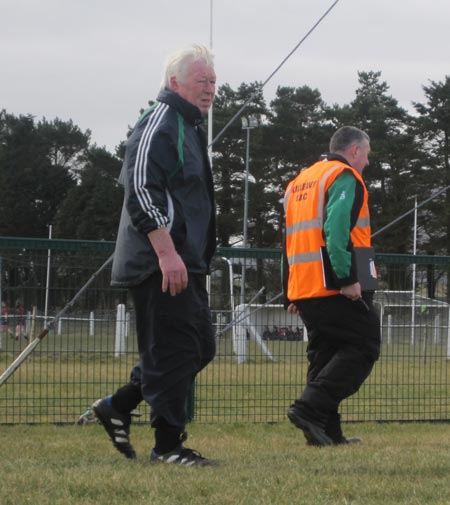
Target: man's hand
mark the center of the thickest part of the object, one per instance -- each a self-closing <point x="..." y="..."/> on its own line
<point x="174" y="273"/>
<point x="175" y="277"/>
<point x="353" y="291"/>
<point x="292" y="308"/>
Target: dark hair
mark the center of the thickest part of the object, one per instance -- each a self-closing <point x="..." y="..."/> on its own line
<point x="345" y="137"/>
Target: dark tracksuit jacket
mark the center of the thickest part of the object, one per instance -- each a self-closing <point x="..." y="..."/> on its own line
<point x="168" y="183"/>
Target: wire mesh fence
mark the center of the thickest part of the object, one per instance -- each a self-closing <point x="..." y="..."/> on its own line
<point x="260" y="366"/>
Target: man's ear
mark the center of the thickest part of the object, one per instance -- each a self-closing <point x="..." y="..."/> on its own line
<point x="353" y="150"/>
<point x="173" y="83"/>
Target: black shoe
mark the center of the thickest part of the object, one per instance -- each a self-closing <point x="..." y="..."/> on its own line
<point x="117" y="425"/>
<point x="182" y="456"/>
<point x="314" y="434"/>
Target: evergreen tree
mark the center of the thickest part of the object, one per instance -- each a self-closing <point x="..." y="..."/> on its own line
<point x="229" y="158"/>
<point x="37" y="163"/>
<point x="432" y="128"/>
<point x="92" y="208"/>
<point x="394" y="160"/>
<point x="295" y="138"/>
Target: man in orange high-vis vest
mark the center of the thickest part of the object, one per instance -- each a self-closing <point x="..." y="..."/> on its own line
<point x="327" y="217"/>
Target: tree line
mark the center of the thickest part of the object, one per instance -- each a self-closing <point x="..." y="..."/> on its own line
<point x="52" y="173"/>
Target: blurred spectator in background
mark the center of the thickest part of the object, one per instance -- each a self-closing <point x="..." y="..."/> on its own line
<point x="4" y="323"/>
<point x="20" y="323"/>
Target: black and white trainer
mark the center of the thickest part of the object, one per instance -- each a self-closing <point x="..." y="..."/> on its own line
<point x="182" y="456"/>
<point x="116" y="424"/>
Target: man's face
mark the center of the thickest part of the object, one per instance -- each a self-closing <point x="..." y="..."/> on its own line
<point x="197" y="86"/>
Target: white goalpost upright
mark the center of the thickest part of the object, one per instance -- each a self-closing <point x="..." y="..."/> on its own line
<point x="413" y="287"/>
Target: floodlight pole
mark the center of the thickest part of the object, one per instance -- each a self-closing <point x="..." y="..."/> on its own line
<point x="413" y="289"/>
<point x="47" y="284"/>
<point x="248" y="123"/>
<point x="245" y="231"/>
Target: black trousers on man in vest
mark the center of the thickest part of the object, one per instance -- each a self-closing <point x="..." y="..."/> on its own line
<point x="343" y="345"/>
<point x="175" y="342"/>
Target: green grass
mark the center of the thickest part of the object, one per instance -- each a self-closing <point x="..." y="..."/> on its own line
<point x="264" y="464"/>
<point x="406" y="384"/>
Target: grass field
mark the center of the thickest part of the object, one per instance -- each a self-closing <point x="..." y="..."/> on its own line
<point x="261" y="464"/>
<point x="408" y="383"/>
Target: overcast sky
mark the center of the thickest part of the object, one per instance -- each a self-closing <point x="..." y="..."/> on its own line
<point x="98" y="62"/>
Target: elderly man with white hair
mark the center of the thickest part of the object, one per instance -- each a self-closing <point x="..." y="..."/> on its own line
<point x="166" y="240"/>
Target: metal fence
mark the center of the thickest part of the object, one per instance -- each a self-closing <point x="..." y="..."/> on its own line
<point x="260" y="367"/>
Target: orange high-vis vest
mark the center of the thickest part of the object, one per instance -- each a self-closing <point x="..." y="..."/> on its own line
<point x="304" y="205"/>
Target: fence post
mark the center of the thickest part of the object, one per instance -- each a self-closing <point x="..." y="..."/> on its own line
<point x="448" y="334"/>
<point x="33" y="324"/>
<point x="120" y="330"/>
<point x="127" y="324"/>
<point x="240" y="333"/>
<point x="91" y="324"/>
<point x="437" y="332"/>
<point x="59" y="326"/>
<point x="28" y="323"/>
<point x="389" y="336"/>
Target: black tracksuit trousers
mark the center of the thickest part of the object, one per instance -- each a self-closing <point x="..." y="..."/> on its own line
<point x="175" y="342"/>
<point x="343" y="345"/>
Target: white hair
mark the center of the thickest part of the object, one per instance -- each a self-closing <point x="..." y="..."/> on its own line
<point x="177" y="63"/>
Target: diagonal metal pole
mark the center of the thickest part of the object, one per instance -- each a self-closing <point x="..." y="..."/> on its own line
<point x="30" y="347"/>
<point x="253" y="95"/>
<point x="245" y="315"/>
<point x="396" y="220"/>
<point x="421" y="204"/>
<point x="34" y="343"/>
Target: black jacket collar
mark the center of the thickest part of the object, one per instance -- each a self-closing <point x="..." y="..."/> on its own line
<point x="190" y="112"/>
<point x="334" y="157"/>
